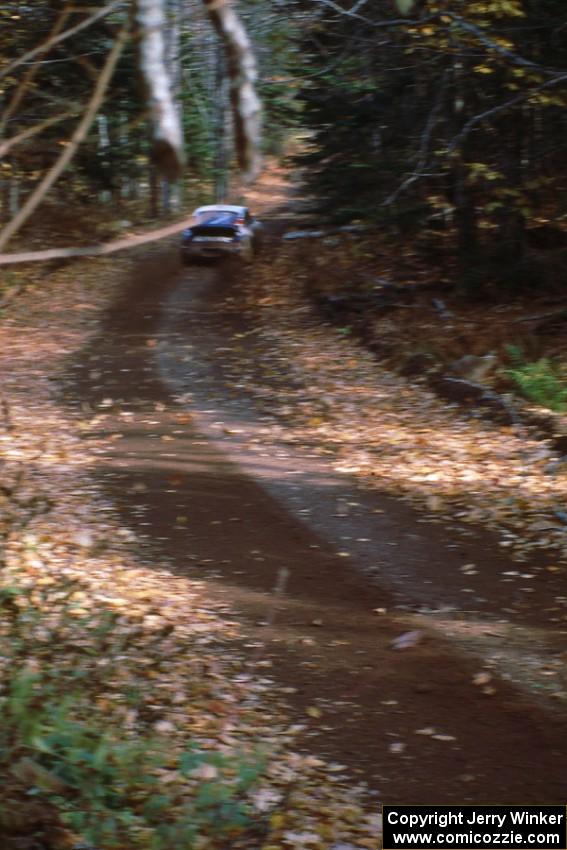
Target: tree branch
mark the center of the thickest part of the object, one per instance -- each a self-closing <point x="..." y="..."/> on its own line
<point x="470" y="125"/>
<point x="46" y="45"/>
<point x="70" y="148"/>
<point x="509" y="104"/>
<point x="353" y="13"/>
<point x="167" y="135"/>
<point x="28" y="77"/>
<point x="33" y="131"/>
<point x="466" y="26"/>
<point x="481" y="36"/>
<point x="424" y="145"/>
<point x="96" y="250"/>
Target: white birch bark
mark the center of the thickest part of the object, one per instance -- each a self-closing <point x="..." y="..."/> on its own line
<point x="242" y="72"/>
<point x="166" y="130"/>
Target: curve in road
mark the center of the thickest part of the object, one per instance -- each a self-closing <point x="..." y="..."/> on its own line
<point x="204" y="492"/>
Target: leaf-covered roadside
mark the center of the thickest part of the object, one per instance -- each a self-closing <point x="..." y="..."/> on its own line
<point x="128" y="720"/>
<point x="394" y="433"/>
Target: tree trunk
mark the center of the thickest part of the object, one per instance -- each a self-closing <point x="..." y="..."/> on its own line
<point x="153" y="210"/>
<point x="511" y="246"/>
<point x="167" y="137"/>
<point x="242" y="73"/>
<point x="222" y="129"/>
<point x="172" y="48"/>
<point x="465" y="218"/>
<point x="462" y="195"/>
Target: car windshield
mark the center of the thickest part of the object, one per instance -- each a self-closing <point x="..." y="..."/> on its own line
<point x="218" y="210"/>
<point x="218" y="217"/>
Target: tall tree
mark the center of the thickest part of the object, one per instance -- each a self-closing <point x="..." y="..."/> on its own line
<point x="456" y="112"/>
<point x="76" y="38"/>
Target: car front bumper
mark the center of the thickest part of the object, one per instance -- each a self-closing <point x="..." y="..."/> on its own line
<point x="210" y="249"/>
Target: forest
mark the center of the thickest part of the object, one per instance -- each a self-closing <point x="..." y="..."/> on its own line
<point x="442" y="121"/>
<point x="286" y="539"/>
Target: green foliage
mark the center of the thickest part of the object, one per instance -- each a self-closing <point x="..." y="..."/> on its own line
<point x="539" y="381"/>
<point x="101" y="781"/>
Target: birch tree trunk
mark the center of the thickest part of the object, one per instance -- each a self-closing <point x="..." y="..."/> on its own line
<point x="242" y="73"/>
<point x="167" y="137"/>
<point x="172" y="37"/>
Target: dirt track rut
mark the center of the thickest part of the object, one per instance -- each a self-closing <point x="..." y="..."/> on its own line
<point x="208" y="501"/>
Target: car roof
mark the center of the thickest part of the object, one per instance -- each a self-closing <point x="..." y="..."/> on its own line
<point x="220" y="208"/>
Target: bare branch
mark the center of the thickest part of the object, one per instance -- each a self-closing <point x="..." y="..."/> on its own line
<point x="54" y="100"/>
<point x="460" y="22"/>
<point x="33" y="131"/>
<point x="489" y="43"/>
<point x="353" y="13"/>
<point x="243" y="74"/>
<point x="359" y="5"/>
<point x="89" y="67"/>
<point x="46" y="45"/>
<point x="424" y="145"/>
<point x="509" y="104"/>
<point x="28" y="77"/>
<point x="96" y="250"/>
<point x="418" y="174"/>
<point x="70" y="148"/>
<point x="167" y="135"/>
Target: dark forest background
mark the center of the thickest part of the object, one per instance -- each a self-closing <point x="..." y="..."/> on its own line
<point x="445" y="125"/>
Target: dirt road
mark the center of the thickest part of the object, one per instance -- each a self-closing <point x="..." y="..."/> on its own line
<point x="212" y="489"/>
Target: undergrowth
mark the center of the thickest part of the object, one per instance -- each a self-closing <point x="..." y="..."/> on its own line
<point x="540" y="381"/>
<point x="72" y="769"/>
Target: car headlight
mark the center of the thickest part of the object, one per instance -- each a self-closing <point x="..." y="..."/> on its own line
<point x="187" y="235"/>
